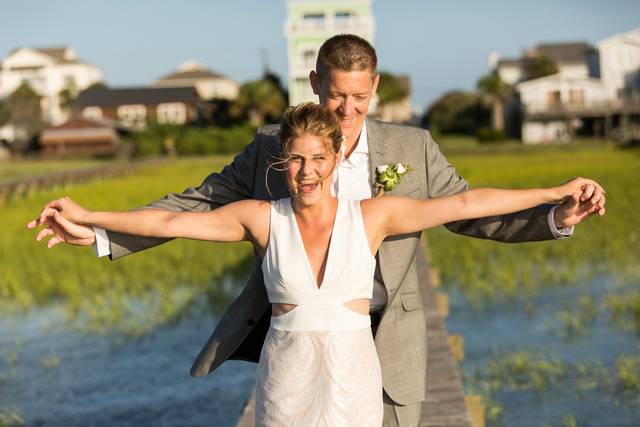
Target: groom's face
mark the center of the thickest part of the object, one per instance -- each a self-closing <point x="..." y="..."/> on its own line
<point x="347" y="93"/>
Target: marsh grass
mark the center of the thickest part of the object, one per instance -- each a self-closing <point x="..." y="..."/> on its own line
<point x="625" y="310"/>
<point x="487" y="271"/>
<point x="11" y="417"/>
<point x="628" y="374"/>
<point x="16" y="169"/>
<point x="132" y="294"/>
<point x="539" y="372"/>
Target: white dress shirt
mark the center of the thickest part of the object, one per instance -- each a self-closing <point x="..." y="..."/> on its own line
<point x="350" y="181"/>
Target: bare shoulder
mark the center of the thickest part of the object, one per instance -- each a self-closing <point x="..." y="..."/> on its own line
<point x="369" y="206"/>
<point x="262" y="205"/>
<point x="377" y="208"/>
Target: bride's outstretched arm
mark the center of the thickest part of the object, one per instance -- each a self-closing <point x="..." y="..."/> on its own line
<point x="398" y="215"/>
<point x="234" y="222"/>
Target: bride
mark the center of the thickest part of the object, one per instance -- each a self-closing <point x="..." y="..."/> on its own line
<point x="318" y="365"/>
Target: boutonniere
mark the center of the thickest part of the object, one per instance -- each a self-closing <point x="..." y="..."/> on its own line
<point x="388" y="176"/>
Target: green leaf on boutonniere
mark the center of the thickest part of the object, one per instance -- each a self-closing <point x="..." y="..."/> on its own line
<point x="389" y="175"/>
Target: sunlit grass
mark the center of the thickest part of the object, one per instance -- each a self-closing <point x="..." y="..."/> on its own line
<point x="486" y="270"/>
<point x="161" y="280"/>
<point x="15" y="169"/>
<point x="539" y="371"/>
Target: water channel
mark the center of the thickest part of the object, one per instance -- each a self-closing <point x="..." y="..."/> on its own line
<point x="55" y="374"/>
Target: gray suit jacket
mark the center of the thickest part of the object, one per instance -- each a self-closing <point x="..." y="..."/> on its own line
<point x="401" y="335"/>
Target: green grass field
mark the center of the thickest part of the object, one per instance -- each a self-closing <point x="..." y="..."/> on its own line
<point x="162" y="280"/>
<point x="17" y="169"/>
<point x="169" y="276"/>
<point x="485" y="270"/>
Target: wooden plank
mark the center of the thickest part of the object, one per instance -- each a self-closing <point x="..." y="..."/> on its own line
<point x="445" y="405"/>
<point x="248" y="416"/>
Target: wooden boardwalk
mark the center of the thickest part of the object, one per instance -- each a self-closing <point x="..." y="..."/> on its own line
<point x="445" y="403"/>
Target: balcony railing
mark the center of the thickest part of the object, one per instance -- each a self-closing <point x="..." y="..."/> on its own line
<point x="329" y="25"/>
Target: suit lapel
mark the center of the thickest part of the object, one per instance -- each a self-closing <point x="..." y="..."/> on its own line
<point x="375" y="141"/>
<point x="376" y="150"/>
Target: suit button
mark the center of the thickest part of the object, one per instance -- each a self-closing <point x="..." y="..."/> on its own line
<point x="251" y="322"/>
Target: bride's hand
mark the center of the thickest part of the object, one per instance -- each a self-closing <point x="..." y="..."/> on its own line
<point x="580" y="189"/>
<point x="69" y="210"/>
<point x="61" y="230"/>
<point x="580" y="199"/>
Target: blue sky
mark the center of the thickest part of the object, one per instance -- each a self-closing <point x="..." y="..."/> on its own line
<point x="442" y="45"/>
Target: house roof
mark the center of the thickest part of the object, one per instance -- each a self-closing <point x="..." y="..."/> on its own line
<point x="193" y="74"/>
<point x="106" y="97"/>
<point x="80" y="130"/>
<point x="60" y="54"/>
<point x="632" y="37"/>
<point x="192" y="70"/>
<point x="564" y="52"/>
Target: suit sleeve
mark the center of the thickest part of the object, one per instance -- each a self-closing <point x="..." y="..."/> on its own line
<point x="235" y="182"/>
<point x="525" y="226"/>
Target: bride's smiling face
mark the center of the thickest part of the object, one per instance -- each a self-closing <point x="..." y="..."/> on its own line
<point x="310" y="166"/>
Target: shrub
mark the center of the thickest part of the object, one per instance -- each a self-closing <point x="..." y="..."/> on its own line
<point x="488" y="135"/>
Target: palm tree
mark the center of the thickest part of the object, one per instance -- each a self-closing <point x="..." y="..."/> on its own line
<point x="26" y="110"/>
<point x="496" y="93"/>
<point x="260" y="100"/>
<point x="391" y="89"/>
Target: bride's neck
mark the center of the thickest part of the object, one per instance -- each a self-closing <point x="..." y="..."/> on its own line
<point x="323" y="209"/>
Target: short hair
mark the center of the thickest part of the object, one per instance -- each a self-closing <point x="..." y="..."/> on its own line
<point x="312" y="119"/>
<point x="346" y="52"/>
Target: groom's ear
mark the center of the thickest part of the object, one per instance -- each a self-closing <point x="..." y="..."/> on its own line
<point x="315" y="83"/>
<point x="374" y="87"/>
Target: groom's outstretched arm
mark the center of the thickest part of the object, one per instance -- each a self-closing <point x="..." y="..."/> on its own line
<point x="529" y="225"/>
<point x="235" y="182"/>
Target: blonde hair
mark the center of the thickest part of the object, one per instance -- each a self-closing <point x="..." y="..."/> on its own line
<point x="312" y="119"/>
<point x="306" y="119"/>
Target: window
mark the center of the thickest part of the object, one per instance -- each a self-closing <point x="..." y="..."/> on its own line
<point x="172" y="113"/>
<point x="343" y="16"/>
<point x="309" y="57"/>
<point x="576" y="96"/>
<point x="132" y="115"/>
<point x="314" y="20"/>
<point x="94" y="113"/>
<point x="554" y="99"/>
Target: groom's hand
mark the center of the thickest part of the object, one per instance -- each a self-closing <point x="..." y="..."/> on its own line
<point x="581" y="206"/>
<point x="61" y="230"/>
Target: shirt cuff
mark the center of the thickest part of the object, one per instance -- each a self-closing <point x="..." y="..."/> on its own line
<point x="558" y="233"/>
<point x="101" y="246"/>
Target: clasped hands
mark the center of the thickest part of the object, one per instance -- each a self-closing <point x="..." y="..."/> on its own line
<point x="581" y="198"/>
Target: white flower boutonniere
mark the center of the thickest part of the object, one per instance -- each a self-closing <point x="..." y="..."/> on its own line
<point x="388" y="176"/>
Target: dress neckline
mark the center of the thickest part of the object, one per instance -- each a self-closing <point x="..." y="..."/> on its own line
<point x="304" y="251"/>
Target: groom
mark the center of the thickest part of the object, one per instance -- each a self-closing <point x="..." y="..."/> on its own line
<point x="345" y="81"/>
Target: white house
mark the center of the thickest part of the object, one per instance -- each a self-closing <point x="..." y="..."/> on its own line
<point x="48" y="71"/>
<point x="574" y="60"/>
<point x="208" y="83"/>
<point x="620" y="63"/>
<point x="591" y="86"/>
<point x="309" y="23"/>
<point x="550" y="101"/>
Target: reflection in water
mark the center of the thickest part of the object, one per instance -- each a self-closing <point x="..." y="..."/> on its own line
<point x="539" y="369"/>
<point x="54" y="373"/>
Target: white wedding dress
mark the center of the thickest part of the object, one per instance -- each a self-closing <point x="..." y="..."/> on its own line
<point x="318" y="365"/>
